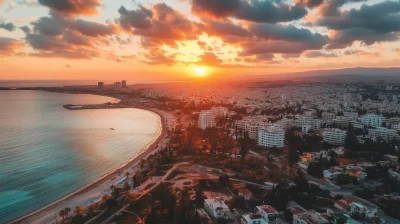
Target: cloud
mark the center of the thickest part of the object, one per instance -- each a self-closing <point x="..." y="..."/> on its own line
<point x="9" y="45"/>
<point x="73" y="7"/>
<point x="58" y="36"/>
<point x="223" y="28"/>
<point x="159" y="25"/>
<point x="318" y="54"/>
<point x="210" y="59"/>
<point x="310" y="3"/>
<point x="285" y="32"/>
<point x="8" y="26"/>
<point x="253" y="10"/>
<point x="369" y="24"/>
<point x="26" y="29"/>
<point x="331" y="7"/>
<point x="135" y="19"/>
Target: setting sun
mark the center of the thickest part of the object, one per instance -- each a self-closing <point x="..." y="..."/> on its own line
<point x="200" y="71"/>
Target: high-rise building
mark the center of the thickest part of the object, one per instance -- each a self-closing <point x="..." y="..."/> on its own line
<point x="123" y="83"/>
<point x="271" y="137"/>
<point x="206" y="119"/>
<point x="100" y="85"/>
<point x="118" y="85"/>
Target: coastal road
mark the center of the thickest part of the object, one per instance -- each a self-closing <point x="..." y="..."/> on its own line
<point x="144" y="193"/>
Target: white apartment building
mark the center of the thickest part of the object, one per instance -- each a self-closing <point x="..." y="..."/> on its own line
<point x="341" y="121"/>
<point x="363" y="211"/>
<point x="396" y="127"/>
<point x="252" y="218"/>
<point x="351" y="115"/>
<point x="313" y="122"/>
<point x="286" y="123"/>
<point x="334" y="136"/>
<point x="327" y="116"/>
<point x="268" y="213"/>
<point x="216" y="208"/>
<point x="309" y="218"/>
<point x="382" y="132"/>
<point x="219" y="111"/>
<point x="372" y="120"/>
<point x="271" y="137"/>
<point x="206" y="119"/>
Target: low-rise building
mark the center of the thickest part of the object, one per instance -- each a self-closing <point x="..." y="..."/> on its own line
<point x="252" y="218"/>
<point x="334" y="136"/>
<point x="344" y="204"/>
<point x="204" y="217"/>
<point x="382" y="132"/>
<point x="309" y="218"/>
<point x="216" y="208"/>
<point x="372" y="120"/>
<point x="245" y="193"/>
<point x="362" y="211"/>
<point x="268" y="213"/>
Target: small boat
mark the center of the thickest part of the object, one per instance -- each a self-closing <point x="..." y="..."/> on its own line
<point x="112" y="129"/>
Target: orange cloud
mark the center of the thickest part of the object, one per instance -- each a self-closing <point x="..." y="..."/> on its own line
<point x="73" y="7"/>
<point x="9" y="45"/>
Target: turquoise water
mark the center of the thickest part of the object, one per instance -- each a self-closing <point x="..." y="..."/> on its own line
<point x="47" y="152"/>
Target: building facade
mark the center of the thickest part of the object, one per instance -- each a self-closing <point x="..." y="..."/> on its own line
<point x="206" y="119"/>
<point x="271" y="137"/>
<point x="334" y="136"/>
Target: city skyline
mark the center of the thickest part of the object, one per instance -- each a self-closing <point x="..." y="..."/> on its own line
<point x="177" y="40"/>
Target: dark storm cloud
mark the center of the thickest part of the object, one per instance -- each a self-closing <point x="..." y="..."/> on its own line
<point x="7" y="26"/>
<point x="73" y="7"/>
<point x="254" y="10"/>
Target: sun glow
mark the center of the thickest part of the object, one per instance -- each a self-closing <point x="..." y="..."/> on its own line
<point x="200" y="71"/>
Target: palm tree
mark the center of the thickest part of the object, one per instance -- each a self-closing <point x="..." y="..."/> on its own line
<point x="62" y="213"/>
<point x="67" y="211"/>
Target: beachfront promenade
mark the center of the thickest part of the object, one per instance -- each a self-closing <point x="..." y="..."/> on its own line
<point x="97" y="189"/>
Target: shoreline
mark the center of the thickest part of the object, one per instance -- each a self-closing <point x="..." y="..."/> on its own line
<point x="142" y="154"/>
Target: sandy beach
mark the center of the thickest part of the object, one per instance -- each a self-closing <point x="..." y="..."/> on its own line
<point x="95" y="190"/>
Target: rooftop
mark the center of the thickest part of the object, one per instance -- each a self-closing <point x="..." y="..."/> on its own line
<point x="267" y="209"/>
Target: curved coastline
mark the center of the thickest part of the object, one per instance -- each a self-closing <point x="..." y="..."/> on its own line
<point x="142" y="154"/>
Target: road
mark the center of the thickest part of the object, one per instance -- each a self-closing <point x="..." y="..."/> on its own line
<point x="144" y="192"/>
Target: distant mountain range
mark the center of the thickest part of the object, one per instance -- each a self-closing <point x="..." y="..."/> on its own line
<point x="337" y="75"/>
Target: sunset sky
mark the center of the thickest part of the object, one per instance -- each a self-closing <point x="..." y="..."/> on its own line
<point x="171" y="40"/>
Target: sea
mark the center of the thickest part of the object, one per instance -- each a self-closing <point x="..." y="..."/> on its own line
<point x="47" y="151"/>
